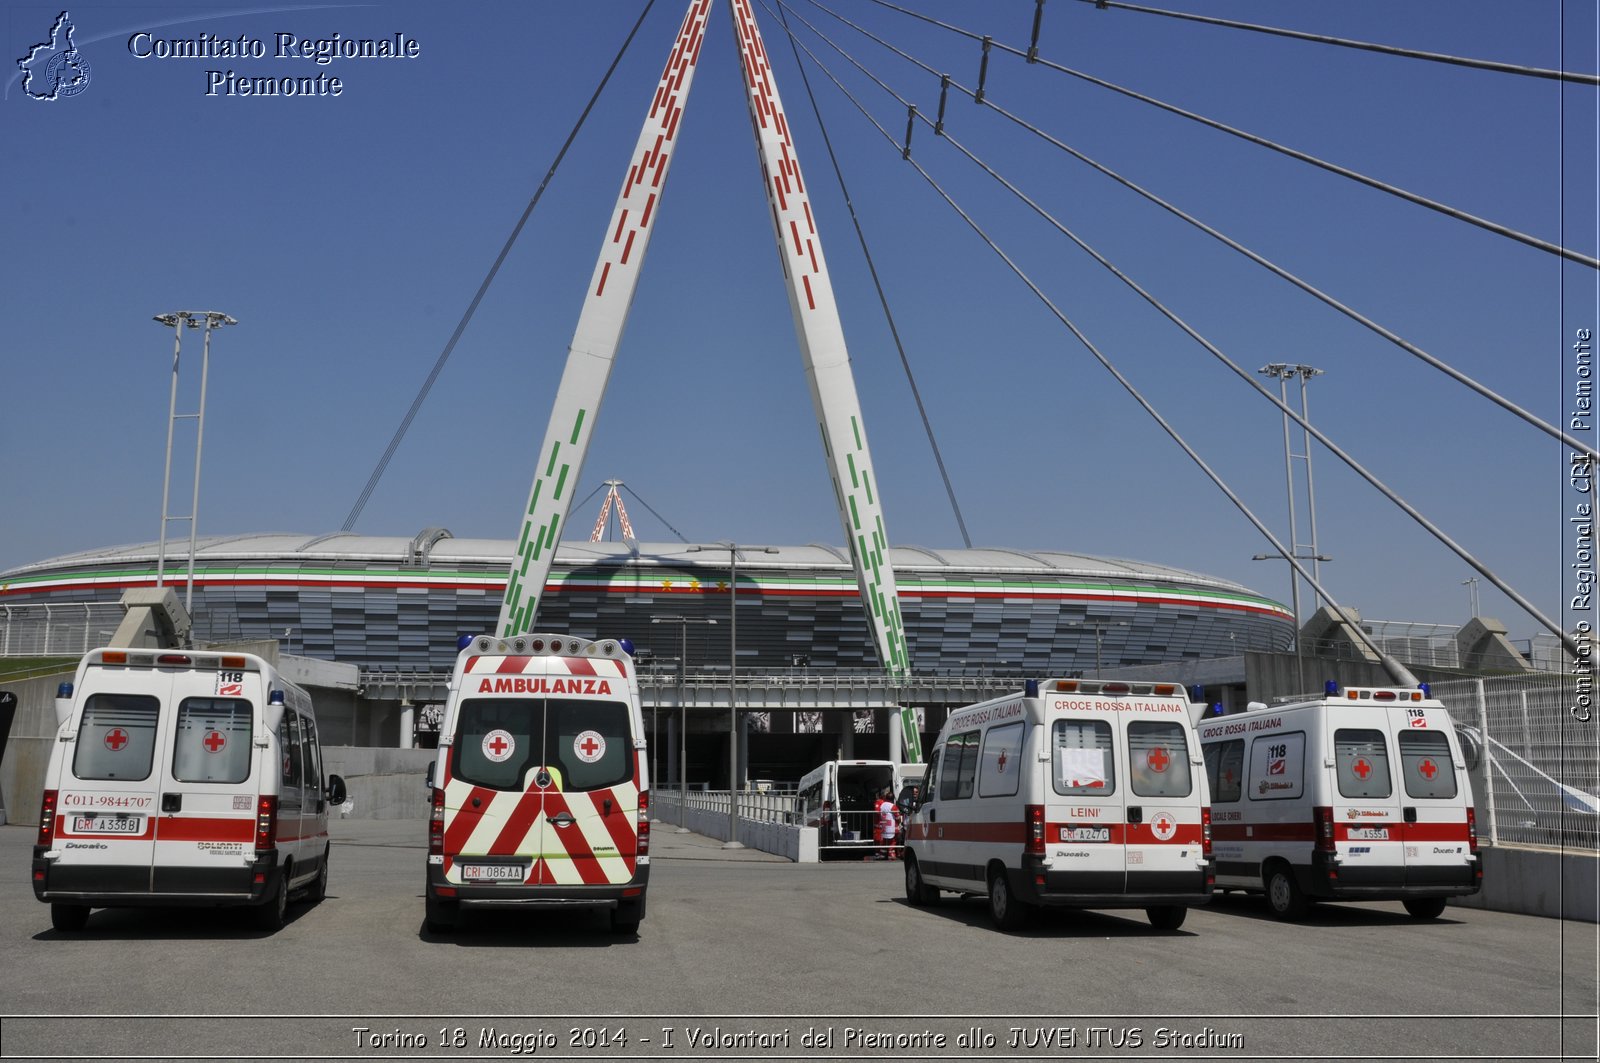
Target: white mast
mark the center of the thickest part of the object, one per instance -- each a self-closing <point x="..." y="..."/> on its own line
<point x="599" y="331"/>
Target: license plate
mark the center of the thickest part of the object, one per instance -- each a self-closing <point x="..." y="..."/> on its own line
<point x="1085" y="834"/>
<point x="493" y="872"/>
<point x="107" y="825"/>
<point x="1369" y="834"/>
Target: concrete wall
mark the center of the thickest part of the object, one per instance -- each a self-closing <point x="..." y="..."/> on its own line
<point x="381" y="783"/>
<point x="1549" y="882"/>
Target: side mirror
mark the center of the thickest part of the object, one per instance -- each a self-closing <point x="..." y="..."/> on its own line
<point x="428" y="779"/>
<point x="336" y="790"/>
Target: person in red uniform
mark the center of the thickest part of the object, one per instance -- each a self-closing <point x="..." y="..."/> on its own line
<point x="885" y="826"/>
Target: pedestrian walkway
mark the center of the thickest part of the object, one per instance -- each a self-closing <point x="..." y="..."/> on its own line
<point x="665" y="841"/>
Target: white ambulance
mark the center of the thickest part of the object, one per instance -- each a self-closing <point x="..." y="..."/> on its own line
<point x="540" y="795"/>
<point x="1072" y="793"/>
<point x="1359" y="795"/>
<point x="840" y="799"/>
<point x="182" y="777"/>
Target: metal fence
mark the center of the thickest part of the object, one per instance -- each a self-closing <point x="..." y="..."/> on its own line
<point x="59" y="630"/>
<point x="1542" y="763"/>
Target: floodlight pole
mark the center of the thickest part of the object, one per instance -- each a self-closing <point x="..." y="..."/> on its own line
<point x="683" y="623"/>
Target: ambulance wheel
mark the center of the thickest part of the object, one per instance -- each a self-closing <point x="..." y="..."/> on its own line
<point x="69" y="918"/>
<point x="918" y="892"/>
<point x="319" y="888"/>
<point x="1425" y="907"/>
<point x="625" y="919"/>
<point x="1284" y="895"/>
<point x="1005" y="909"/>
<point x="1166" y="916"/>
<point x="271" y="913"/>
<point x="440" y="915"/>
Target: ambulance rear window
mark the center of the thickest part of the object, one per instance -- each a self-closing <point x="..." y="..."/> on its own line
<point x="585" y="744"/>
<point x="1158" y="759"/>
<point x="1361" y="759"/>
<point x="1225" y="770"/>
<point x="117" y="737"/>
<point x="212" y="743"/>
<point x="1082" y="760"/>
<point x="1426" y="765"/>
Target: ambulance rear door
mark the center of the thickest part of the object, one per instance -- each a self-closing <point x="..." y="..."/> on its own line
<point x="110" y="782"/>
<point x="1165" y="797"/>
<point x="1086" y="812"/>
<point x="1436" y="799"/>
<point x="1367" y="820"/>
<point x="209" y="768"/>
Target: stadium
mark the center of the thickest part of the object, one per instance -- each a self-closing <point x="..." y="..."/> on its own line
<point x="390" y="603"/>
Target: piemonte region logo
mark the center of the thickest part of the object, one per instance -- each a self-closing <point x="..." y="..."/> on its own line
<point x="56" y="63"/>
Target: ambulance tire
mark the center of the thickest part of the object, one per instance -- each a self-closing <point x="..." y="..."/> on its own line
<point x="1007" y="911"/>
<point x="1166" y="916"/>
<point x="625" y="919"/>
<point x="319" y="887"/>
<point x="1424" y="907"/>
<point x="918" y="892"/>
<point x="271" y="913"/>
<point x="440" y="915"/>
<point x="69" y="918"/>
<point x="1284" y="896"/>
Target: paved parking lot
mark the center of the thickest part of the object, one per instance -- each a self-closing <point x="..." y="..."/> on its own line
<point x="748" y="942"/>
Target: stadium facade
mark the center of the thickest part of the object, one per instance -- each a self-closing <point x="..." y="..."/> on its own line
<point x="399" y="604"/>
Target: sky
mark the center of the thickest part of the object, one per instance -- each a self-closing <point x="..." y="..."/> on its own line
<point x="348" y="233"/>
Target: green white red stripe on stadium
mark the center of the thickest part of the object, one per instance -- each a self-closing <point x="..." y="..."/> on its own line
<point x="658" y="581"/>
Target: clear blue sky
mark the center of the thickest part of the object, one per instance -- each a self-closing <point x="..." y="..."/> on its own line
<point x="348" y="234"/>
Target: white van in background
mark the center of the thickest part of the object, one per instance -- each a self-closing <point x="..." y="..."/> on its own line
<point x="1071" y="793"/>
<point x="1361" y="794"/>
<point x="182" y="777"/>
<point x="839" y="798"/>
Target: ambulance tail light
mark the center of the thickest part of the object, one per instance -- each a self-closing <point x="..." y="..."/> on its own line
<point x="1472" y="830"/>
<point x="436" y="823"/>
<point x="47" y="820"/>
<point x="1205" y="832"/>
<point x="1033" y="829"/>
<point x="266" y="822"/>
<point x="1322" y="818"/>
<point x="643" y="847"/>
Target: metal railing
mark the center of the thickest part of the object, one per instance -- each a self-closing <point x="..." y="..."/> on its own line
<point x="754" y="805"/>
<point x="1541" y="762"/>
<point x="62" y="629"/>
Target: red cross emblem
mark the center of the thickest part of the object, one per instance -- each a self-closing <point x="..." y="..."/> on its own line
<point x="213" y="741"/>
<point x="116" y="738"/>
<point x="1362" y="768"/>
<point x="1158" y="759"/>
<point x="1000" y="764"/>
<point x="1428" y="768"/>
<point x="1227" y="776"/>
<point x="498" y="746"/>
<point x="590" y="747"/>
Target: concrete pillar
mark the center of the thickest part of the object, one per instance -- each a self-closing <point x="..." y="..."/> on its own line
<point x="408" y="724"/>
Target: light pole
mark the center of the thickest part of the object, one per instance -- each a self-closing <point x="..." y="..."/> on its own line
<point x="1294" y="577"/>
<point x="683" y="623"/>
<point x="177" y="322"/>
<point x="733" y="683"/>
<point x="1281" y="372"/>
<point x="1099" y="636"/>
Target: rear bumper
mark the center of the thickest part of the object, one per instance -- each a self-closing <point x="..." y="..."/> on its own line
<point x="1326" y="880"/>
<point x="575" y="895"/>
<point x="1072" y="889"/>
<point x="133" y="886"/>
